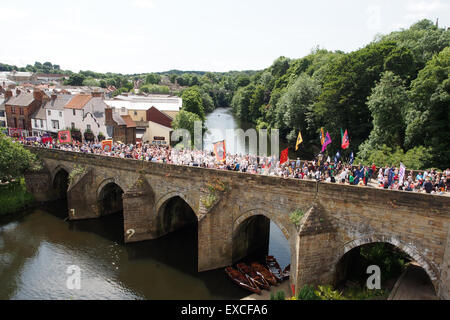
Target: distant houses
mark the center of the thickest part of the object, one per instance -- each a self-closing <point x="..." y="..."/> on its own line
<point x="90" y="113"/>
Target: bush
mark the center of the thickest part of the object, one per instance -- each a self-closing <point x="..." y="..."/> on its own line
<point x="307" y="293"/>
<point x="14" y="197"/>
<point x="296" y="217"/>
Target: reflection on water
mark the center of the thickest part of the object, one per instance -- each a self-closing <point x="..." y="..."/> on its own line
<point x="37" y="249"/>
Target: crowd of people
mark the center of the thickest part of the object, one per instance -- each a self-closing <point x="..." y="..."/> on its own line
<point x="429" y="181"/>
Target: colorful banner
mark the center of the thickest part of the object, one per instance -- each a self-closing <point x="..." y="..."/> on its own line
<point x="107" y="145"/>
<point x="64" y="136"/>
<point x="46" y="139"/>
<point x="337" y="157"/>
<point x="345" y="140"/>
<point x="401" y="173"/>
<point x="284" y="156"/>
<point x="322" y="137"/>
<point x="220" y="151"/>
<point x="299" y="140"/>
<point x="326" y="142"/>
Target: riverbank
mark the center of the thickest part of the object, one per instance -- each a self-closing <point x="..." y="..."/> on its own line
<point x="265" y="294"/>
<point x="14" y="197"/>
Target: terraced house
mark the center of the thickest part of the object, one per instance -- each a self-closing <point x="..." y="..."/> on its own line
<point x="21" y="108"/>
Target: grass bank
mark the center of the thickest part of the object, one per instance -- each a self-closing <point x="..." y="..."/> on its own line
<point x="14" y="197"/>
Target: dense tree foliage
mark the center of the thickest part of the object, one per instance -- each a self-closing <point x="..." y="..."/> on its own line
<point x="392" y="95"/>
<point x="14" y="159"/>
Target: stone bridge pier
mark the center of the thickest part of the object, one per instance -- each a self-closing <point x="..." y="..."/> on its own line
<point x="232" y="212"/>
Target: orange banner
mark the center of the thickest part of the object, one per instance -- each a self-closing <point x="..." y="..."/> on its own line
<point x="220" y="151"/>
<point x="107" y="145"/>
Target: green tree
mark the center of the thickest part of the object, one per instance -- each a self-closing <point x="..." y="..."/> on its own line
<point x="388" y="105"/>
<point x="76" y="80"/>
<point x="14" y="159"/>
<point x="186" y="120"/>
<point x="428" y="119"/>
<point x="152" y="78"/>
<point x="192" y="102"/>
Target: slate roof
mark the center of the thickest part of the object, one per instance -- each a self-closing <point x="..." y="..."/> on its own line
<point x="59" y="103"/>
<point x="22" y="100"/>
<point x="39" y="114"/>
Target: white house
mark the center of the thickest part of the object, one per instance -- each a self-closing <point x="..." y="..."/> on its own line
<point x="86" y="112"/>
<point x="39" y="122"/>
<point x="54" y="112"/>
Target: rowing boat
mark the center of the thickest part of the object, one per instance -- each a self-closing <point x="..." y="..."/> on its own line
<point x="259" y="268"/>
<point x="258" y="279"/>
<point x="241" y="280"/>
<point x="274" y="267"/>
<point x="287" y="272"/>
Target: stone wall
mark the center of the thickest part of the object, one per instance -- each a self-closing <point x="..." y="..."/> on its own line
<point x="337" y="217"/>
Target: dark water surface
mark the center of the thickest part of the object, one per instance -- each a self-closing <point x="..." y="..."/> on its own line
<point x="38" y="246"/>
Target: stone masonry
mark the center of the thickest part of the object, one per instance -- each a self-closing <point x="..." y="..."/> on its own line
<point x="337" y="217"/>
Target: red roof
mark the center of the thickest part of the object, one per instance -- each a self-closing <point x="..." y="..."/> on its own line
<point x="129" y="122"/>
<point x="78" y="101"/>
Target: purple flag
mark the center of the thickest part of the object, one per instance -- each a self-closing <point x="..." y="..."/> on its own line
<point x="326" y="142"/>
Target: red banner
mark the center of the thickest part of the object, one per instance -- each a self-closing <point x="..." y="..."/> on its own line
<point x="64" y="136"/>
<point x="107" y="145"/>
<point x="284" y="156"/>
<point x="220" y="151"/>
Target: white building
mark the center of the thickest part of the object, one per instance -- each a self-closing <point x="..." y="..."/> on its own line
<point x="2" y="112"/>
<point x="39" y="123"/>
<point x="86" y="112"/>
<point x="54" y="112"/>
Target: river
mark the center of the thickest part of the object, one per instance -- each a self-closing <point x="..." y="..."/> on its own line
<point x="38" y="246"/>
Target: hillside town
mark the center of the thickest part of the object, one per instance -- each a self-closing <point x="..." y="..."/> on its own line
<point x="37" y="106"/>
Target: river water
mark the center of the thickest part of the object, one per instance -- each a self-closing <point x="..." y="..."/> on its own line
<point x="38" y="246"/>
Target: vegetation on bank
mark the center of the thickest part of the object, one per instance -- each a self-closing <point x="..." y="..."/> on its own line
<point x="14" y="197"/>
<point x="15" y="160"/>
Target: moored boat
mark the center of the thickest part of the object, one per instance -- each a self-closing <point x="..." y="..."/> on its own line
<point x="287" y="272"/>
<point x="274" y="268"/>
<point x="258" y="279"/>
<point x="241" y="280"/>
<point x="260" y="269"/>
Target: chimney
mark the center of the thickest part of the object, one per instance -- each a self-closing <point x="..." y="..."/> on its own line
<point x="8" y="94"/>
<point x="53" y="96"/>
<point x="96" y="94"/>
<point x="108" y="116"/>
<point x="37" y="95"/>
<point x="17" y="92"/>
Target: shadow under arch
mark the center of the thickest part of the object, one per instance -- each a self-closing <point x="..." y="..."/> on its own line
<point x="109" y="197"/>
<point x="405" y="248"/>
<point x="251" y="234"/>
<point x="60" y="182"/>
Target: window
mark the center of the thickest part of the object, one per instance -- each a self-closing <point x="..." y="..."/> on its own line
<point x="49" y="112"/>
<point x="35" y="123"/>
<point x="13" y="110"/>
<point x="88" y="127"/>
<point x="72" y="125"/>
<point x="73" y="111"/>
<point x="123" y="109"/>
<point x="135" y="113"/>
<point x="21" y="111"/>
<point x="15" y="122"/>
<point x="55" y="124"/>
<point x="60" y="114"/>
<point x="2" y="113"/>
<point x="42" y="123"/>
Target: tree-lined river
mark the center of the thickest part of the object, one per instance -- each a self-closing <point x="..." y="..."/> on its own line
<point x="38" y="246"/>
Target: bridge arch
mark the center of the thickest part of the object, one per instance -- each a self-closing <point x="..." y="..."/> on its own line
<point x="406" y="248"/>
<point x="251" y="234"/>
<point x="107" y="181"/>
<point x="60" y="181"/>
<point x="109" y="197"/>
<point x="162" y="201"/>
<point x="260" y="211"/>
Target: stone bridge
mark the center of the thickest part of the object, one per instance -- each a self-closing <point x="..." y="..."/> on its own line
<point x="233" y="210"/>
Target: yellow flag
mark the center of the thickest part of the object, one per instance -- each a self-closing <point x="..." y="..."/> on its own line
<point x="322" y="136"/>
<point x="299" y="140"/>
